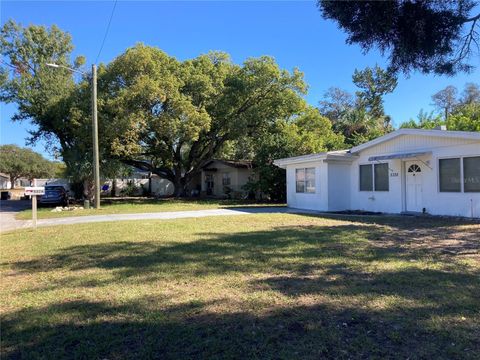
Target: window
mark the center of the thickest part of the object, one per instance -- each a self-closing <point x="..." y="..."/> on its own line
<point x="414" y="169"/>
<point x="471" y="174"/>
<point x="374" y="177"/>
<point x="305" y="180"/>
<point x="381" y="177"/>
<point x="449" y="174"/>
<point x="310" y="180"/>
<point x="366" y="179"/>
<point x="226" y="179"/>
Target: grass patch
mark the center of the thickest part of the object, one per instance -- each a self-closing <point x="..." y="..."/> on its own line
<point x="142" y="206"/>
<point x="264" y="286"/>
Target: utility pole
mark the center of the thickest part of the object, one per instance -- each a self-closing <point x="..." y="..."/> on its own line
<point x="96" y="157"/>
<point x="96" y="160"/>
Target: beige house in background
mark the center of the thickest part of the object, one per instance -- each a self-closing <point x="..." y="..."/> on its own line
<point x="224" y="178"/>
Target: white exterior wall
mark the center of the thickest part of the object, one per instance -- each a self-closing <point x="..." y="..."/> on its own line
<point x="5" y="183"/>
<point x="161" y="187"/>
<point x="339" y="184"/>
<point x="434" y="201"/>
<point x="311" y="201"/>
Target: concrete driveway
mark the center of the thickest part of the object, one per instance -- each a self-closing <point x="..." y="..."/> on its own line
<point x="8" y="221"/>
<point x="8" y="210"/>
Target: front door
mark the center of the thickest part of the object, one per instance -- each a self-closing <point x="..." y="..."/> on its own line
<point x="414" y="186"/>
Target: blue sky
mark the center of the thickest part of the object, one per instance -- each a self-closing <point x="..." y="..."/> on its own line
<point x="292" y="32"/>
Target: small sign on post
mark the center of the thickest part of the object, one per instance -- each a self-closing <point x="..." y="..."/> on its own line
<point x="34" y="191"/>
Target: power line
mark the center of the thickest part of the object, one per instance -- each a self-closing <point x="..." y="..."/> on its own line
<point x="106" y="31"/>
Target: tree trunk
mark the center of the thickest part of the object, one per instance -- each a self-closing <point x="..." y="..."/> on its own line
<point x="114" y="188"/>
<point x="12" y="182"/>
<point x="89" y="189"/>
<point x="179" y="187"/>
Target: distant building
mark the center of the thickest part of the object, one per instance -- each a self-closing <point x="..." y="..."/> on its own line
<point x="224" y="179"/>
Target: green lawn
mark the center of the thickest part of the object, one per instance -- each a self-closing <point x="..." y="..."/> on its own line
<point x="271" y="286"/>
<point x="142" y="206"/>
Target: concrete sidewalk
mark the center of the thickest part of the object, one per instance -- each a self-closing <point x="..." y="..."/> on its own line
<point x="8" y="221"/>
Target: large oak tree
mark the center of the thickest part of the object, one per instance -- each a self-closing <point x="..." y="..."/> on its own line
<point x="156" y="113"/>
<point x="171" y="117"/>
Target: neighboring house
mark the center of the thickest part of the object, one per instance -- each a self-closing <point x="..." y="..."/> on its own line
<point x="139" y="183"/>
<point x="6" y="184"/>
<point x="4" y="181"/>
<point x="142" y="182"/>
<point x="224" y="178"/>
<point x="408" y="170"/>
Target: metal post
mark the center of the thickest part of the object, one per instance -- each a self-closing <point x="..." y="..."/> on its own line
<point x="96" y="161"/>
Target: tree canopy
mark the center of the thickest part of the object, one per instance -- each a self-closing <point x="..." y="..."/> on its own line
<point x="456" y="113"/>
<point x="308" y="133"/>
<point x="429" y="36"/>
<point x="20" y="162"/>
<point x="171" y="117"/>
<point x="361" y="117"/>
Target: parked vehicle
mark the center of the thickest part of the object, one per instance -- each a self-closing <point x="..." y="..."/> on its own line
<point x="54" y="195"/>
<point x="5" y="195"/>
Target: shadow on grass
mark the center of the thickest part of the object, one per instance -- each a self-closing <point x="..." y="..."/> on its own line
<point x="331" y="262"/>
<point x="89" y="330"/>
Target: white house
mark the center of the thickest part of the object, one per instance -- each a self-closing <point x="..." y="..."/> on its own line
<point x="409" y="170"/>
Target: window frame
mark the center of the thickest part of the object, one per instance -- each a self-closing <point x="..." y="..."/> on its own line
<point x="360" y="177"/>
<point x="462" y="175"/>
<point x="375" y="179"/>
<point x="305" y="180"/>
<point x="226" y="176"/>
<point x="372" y="167"/>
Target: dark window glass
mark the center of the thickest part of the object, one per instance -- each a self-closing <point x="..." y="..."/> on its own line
<point x="366" y="178"/>
<point x="381" y="177"/>
<point x="449" y="173"/>
<point x="226" y="179"/>
<point x="471" y="174"/>
<point x="414" y="169"/>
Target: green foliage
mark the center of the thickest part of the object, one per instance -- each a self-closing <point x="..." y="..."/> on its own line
<point x="20" y="162"/>
<point x="40" y="93"/>
<point x="131" y="189"/>
<point x="424" y="121"/>
<point x="374" y="84"/>
<point x="465" y="118"/>
<point x="171" y="117"/>
<point x="59" y="170"/>
<point x="429" y="36"/>
<point x="47" y="97"/>
<point x="363" y="118"/>
<point x="309" y="133"/>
